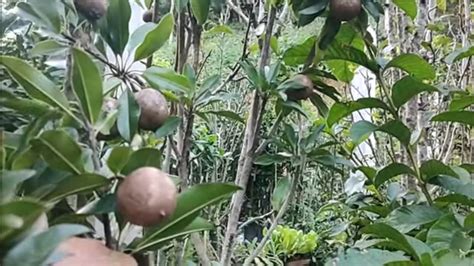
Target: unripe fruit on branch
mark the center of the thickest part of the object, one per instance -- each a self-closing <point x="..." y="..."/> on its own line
<point x="305" y="88"/>
<point x="89" y="252"/>
<point x="345" y="10"/>
<point x="148" y="16"/>
<point x="154" y="109"/>
<point x="92" y="9"/>
<point x="146" y="197"/>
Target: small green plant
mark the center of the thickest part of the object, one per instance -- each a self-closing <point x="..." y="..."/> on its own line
<point x="288" y="242"/>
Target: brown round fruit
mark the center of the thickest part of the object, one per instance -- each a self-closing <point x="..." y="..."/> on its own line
<point x="81" y="251"/>
<point x="146" y="197"/>
<point x="303" y="93"/>
<point x="148" y="16"/>
<point x="345" y="10"/>
<point x="154" y="109"/>
<point x="92" y="9"/>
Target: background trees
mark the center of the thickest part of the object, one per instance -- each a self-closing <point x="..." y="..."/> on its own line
<point x="355" y="129"/>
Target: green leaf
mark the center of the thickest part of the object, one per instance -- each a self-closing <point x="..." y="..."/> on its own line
<point x="114" y="27"/>
<point x="87" y="84"/>
<point x="227" y="114"/>
<point x="200" y="9"/>
<point x="385" y="231"/>
<point x="374" y="8"/>
<point x="141" y="158"/>
<point x="139" y="35"/>
<point x="48" y="47"/>
<point x="328" y="33"/>
<point x="369" y="257"/>
<point x="118" y="158"/>
<point x="413" y="216"/>
<point x="190" y="203"/>
<point x="406" y="88"/>
<point x="390" y="171"/>
<point x="447" y="233"/>
<point x="452" y="258"/>
<point x="75" y="185"/>
<point x="433" y="168"/>
<point x="269" y="159"/>
<point x="409" y="6"/>
<point x="169" y="127"/>
<point x="166" y="79"/>
<point x="456" y="198"/>
<point x="128" y="115"/>
<point x="16" y="217"/>
<point x="35" y="250"/>
<point x="180" y="4"/>
<point x="461" y="103"/>
<point x="24" y="106"/>
<point x="414" y="65"/>
<point x="454" y="185"/>
<point x="298" y="54"/>
<point x="156" y="38"/>
<point x="221" y="28"/>
<point x="60" y="151"/>
<point x="103" y="205"/>
<point x="197" y="225"/>
<point x="397" y="129"/>
<point x="460" y="54"/>
<point x="9" y="182"/>
<point x="463" y="117"/>
<point x="341" y="110"/>
<point x="36" y="84"/>
<point x="351" y="54"/>
<point x="361" y="130"/>
<point x="280" y="193"/>
<point x="45" y="13"/>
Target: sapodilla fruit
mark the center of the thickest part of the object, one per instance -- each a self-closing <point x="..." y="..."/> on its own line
<point x="302" y="93"/>
<point x="81" y="252"/>
<point x="345" y="10"/>
<point x="92" y="9"/>
<point x="154" y="109"/>
<point x="148" y="15"/>
<point x="146" y="197"/>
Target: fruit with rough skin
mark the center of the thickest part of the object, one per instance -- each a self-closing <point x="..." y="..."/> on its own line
<point x="148" y="16"/>
<point x="81" y="251"/>
<point x="345" y="10"/>
<point x="92" y="9"/>
<point x="146" y="197"/>
<point x="305" y="88"/>
<point x="153" y="107"/>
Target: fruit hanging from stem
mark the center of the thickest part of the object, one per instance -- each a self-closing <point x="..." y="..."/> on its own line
<point x="345" y="10"/>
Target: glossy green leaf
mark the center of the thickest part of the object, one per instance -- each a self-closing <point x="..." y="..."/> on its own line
<point x="369" y="257"/>
<point x="167" y="79"/>
<point x="48" y="47"/>
<point x="461" y="102"/>
<point x="87" y="84"/>
<point x="385" y="231"/>
<point x="447" y="233"/>
<point x="9" y="182"/>
<point x="397" y="129"/>
<point x="190" y="203"/>
<point x="460" y="54"/>
<point x="414" y="65"/>
<point x="454" y="185"/>
<point x="298" y="54"/>
<point x="169" y="127"/>
<point x="128" y="115"/>
<point x="35" y="250"/>
<point x="433" y="168"/>
<point x="114" y="27"/>
<point x="406" y="88"/>
<point x="328" y="33"/>
<point x="455" y="198"/>
<point x="200" y="9"/>
<point x="76" y="185"/>
<point x="409" y="6"/>
<point x="24" y="106"/>
<point x="143" y="157"/>
<point x="392" y="170"/>
<point x="413" y="216"/>
<point x="156" y="38"/>
<point x="361" y="130"/>
<point x="374" y="8"/>
<point x="46" y="13"/>
<point x="139" y="35"/>
<point x="118" y="158"/>
<point x="36" y="84"/>
<point x="280" y="193"/>
<point x="60" y="151"/>
<point x="197" y="225"/>
<point x="103" y="205"/>
<point x="452" y="258"/>
<point x="463" y="117"/>
<point x="341" y="110"/>
<point x="18" y="216"/>
<point x="180" y="4"/>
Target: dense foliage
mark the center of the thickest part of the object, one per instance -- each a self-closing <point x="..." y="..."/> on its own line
<point x="219" y="132"/>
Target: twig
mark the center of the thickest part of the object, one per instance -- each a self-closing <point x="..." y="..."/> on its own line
<point x="253" y="219"/>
